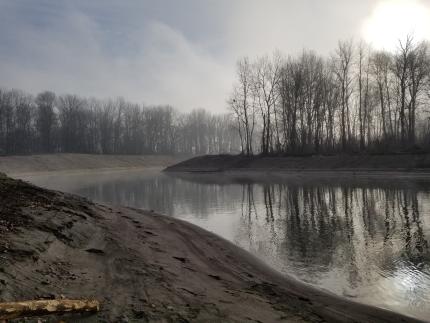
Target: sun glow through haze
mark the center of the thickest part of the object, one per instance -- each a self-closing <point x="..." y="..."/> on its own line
<point x="394" y="20"/>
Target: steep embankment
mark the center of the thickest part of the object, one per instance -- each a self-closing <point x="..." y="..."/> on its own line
<point x="146" y="267"/>
<point x="76" y="162"/>
<point x="217" y="163"/>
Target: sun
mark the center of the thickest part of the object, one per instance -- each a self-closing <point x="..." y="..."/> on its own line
<point x="393" y="20"/>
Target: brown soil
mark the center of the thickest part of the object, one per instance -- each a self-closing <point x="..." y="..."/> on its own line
<point x="145" y="267"/>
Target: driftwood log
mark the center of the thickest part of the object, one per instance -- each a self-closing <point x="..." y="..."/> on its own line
<point x="14" y="310"/>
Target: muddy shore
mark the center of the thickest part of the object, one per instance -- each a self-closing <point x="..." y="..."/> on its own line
<point x="146" y="267"/>
<point x="344" y="163"/>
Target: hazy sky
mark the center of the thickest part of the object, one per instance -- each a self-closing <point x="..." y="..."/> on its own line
<point x="178" y="52"/>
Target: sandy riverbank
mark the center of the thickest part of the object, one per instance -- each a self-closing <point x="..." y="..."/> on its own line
<point x="147" y="267"/>
<point x="13" y="165"/>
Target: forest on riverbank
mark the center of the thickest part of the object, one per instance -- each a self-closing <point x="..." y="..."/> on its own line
<point x="356" y="100"/>
<point x="50" y="123"/>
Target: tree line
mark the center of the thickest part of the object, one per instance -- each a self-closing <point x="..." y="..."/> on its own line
<point x="48" y="123"/>
<point x="356" y="100"/>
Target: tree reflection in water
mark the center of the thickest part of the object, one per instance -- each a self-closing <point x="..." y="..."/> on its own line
<point x="357" y="241"/>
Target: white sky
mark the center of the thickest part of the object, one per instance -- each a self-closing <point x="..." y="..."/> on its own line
<point x="181" y="53"/>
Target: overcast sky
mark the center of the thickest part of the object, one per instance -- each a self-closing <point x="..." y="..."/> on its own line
<point x="177" y="52"/>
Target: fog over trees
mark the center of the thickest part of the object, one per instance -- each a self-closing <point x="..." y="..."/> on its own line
<point x="49" y="123"/>
<point x="356" y="100"/>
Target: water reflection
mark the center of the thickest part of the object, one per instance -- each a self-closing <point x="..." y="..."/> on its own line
<point x="369" y="243"/>
<point x="365" y="237"/>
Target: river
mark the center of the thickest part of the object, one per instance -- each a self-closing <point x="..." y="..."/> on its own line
<point x="362" y="237"/>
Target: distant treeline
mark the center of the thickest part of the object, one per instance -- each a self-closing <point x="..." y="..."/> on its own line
<point x="48" y="123"/>
<point x="356" y="100"/>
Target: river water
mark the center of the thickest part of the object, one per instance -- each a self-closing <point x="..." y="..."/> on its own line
<point x="361" y="237"/>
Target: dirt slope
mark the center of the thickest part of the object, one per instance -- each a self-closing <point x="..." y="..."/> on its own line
<point x="217" y="163"/>
<point x="70" y="162"/>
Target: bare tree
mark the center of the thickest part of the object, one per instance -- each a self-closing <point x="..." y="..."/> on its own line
<point x="401" y="72"/>
<point x="266" y="82"/>
<point x="243" y="105"/>
<point x="381" y="64"/>
<point x="342" y="61"/>
<point x="418" y="65"/>
<point x="46" y="120"/>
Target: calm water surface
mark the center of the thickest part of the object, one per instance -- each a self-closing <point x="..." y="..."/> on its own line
<point x="366" y="238"/>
